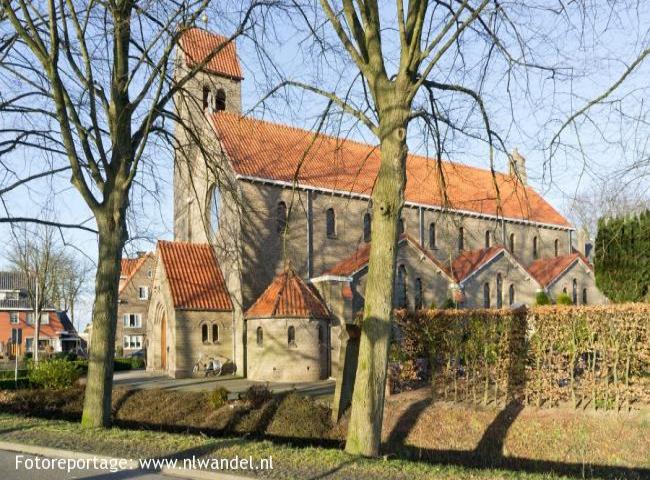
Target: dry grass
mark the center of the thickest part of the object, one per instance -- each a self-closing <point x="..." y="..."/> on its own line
<point x="415" y="426"/>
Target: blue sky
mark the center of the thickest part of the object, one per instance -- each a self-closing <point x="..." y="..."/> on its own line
<point x="526" y="110"/>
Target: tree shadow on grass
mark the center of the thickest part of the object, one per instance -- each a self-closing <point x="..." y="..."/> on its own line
<point x="488" y="453"/>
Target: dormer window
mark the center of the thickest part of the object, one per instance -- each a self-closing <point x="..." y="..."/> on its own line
<point x="220" y="100"/>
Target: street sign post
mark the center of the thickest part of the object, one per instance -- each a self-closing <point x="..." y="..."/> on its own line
<point x="17" y="340"/>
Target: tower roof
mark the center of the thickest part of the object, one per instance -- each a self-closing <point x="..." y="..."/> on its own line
<point x="197" y="44"/>
<point x="288" y="296"/>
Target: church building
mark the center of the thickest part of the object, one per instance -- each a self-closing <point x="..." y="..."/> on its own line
<point x="272" y="233"/>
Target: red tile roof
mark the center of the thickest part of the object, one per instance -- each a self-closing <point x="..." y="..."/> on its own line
<point x="194" y="276"/>
<point x="469" y="261"/>
<point x="129" y="267"/>
<point x="360" y="258"/>
<point x="288" y="296"/>
<point x="197" y="44"/>
<point x="274" y="152"/>
<point x="545" y="270"/>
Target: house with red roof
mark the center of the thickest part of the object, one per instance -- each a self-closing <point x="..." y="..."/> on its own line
<point x="136" y="276"/>
<point x="267" y="195"/>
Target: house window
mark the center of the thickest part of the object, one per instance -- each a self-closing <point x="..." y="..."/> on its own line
<point x="291" y="336"/>
<point x="220" y="100"/>
<point x="13" y="317"/>
<point x="486" y="295"/>
<point x="432" y="236"/>
<point x="330" y="221"/>
<point x="367" y="227"/>
<point x="511" y="295"/>
<point x="28" y="344"/>
<point x="260" y="336"/>
<point x="584" y="296"/>
<point x="487" y="239"/>
<point x="143" y="293"/>
<point x="400" y="226"/>
<point x="556" y="246"/>
<point x="45" y="318"/>
<point x="535" y="251"/>
<point x="29" y="318"/>
<point x="206" y="96"/>
<point x="512" y="243"/>
<point x="281" y="217"/>
<point x="149" y="273"/>
<point x="401" y="286"/>
<point x="204" y="333"/>
<point x="461" y="239"/>
<point x="574" y="293"/>
<point x="418" y="294"/>
<point x="215" y="333"/>
<point x="132" y="320"/>
<point x="499" y="291"/>
<point x="133" y="341"/>
<point x="321" y="334"/>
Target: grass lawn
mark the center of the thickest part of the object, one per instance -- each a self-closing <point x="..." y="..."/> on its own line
<point x="288" y="462"/>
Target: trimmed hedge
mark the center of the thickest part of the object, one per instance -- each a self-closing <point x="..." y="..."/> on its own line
<point x="593" y="355"/>
<point x="7" y="384"/>
<point x="9" y="374"/>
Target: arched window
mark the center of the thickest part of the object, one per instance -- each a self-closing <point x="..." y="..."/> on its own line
<point x="487" y="239"/>
<point x="400" y="226"/>
<point x="206" y="96"/>
<point x="367" y="227"/>
<point x="291" y="336"/>
<point x="535" y="252"/>
<point x="220" y="100"/>
<point x="330" y="220"/>
<point x="432" y="236"/>
<point x="281" y="217"/>
<point x="499" y="291"/>
<point x="574" y="293"/>
<point x="461" y="239"/>
<point x="511" y="295"/>
<point x="204" y="333"/>
<point x="512" y="243"/>
<point x="486" y="295"/>
<point x="556" y="247"/>
<point x="584" y="296"/>
<point x="564" y="290"/>
<point x="215" y="208"/>
<point x="259" y="336"/>
<point x="215" y="333"/>
<point x="418" y="294"/>
<point x="401" y="286"/>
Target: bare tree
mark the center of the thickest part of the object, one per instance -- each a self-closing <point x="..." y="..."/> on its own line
<point x="36" y="256"/>
<point x="97" y="79"/>
<point x="428" y="64"/>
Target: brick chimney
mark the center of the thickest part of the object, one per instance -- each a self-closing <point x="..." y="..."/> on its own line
<point x="517" y="166"/>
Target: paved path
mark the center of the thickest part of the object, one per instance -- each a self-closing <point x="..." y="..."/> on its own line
<point x="140" y="379"/>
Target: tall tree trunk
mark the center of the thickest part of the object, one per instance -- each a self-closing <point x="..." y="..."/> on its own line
<point x="97" y="402"/>
<point x="364" y="431"/>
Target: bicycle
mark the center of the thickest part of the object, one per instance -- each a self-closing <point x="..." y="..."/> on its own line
<point x="212" y="366"/>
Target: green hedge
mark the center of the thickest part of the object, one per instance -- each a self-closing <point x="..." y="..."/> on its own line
<point x="6" y="384"/>
<point x="9" y="374"/>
